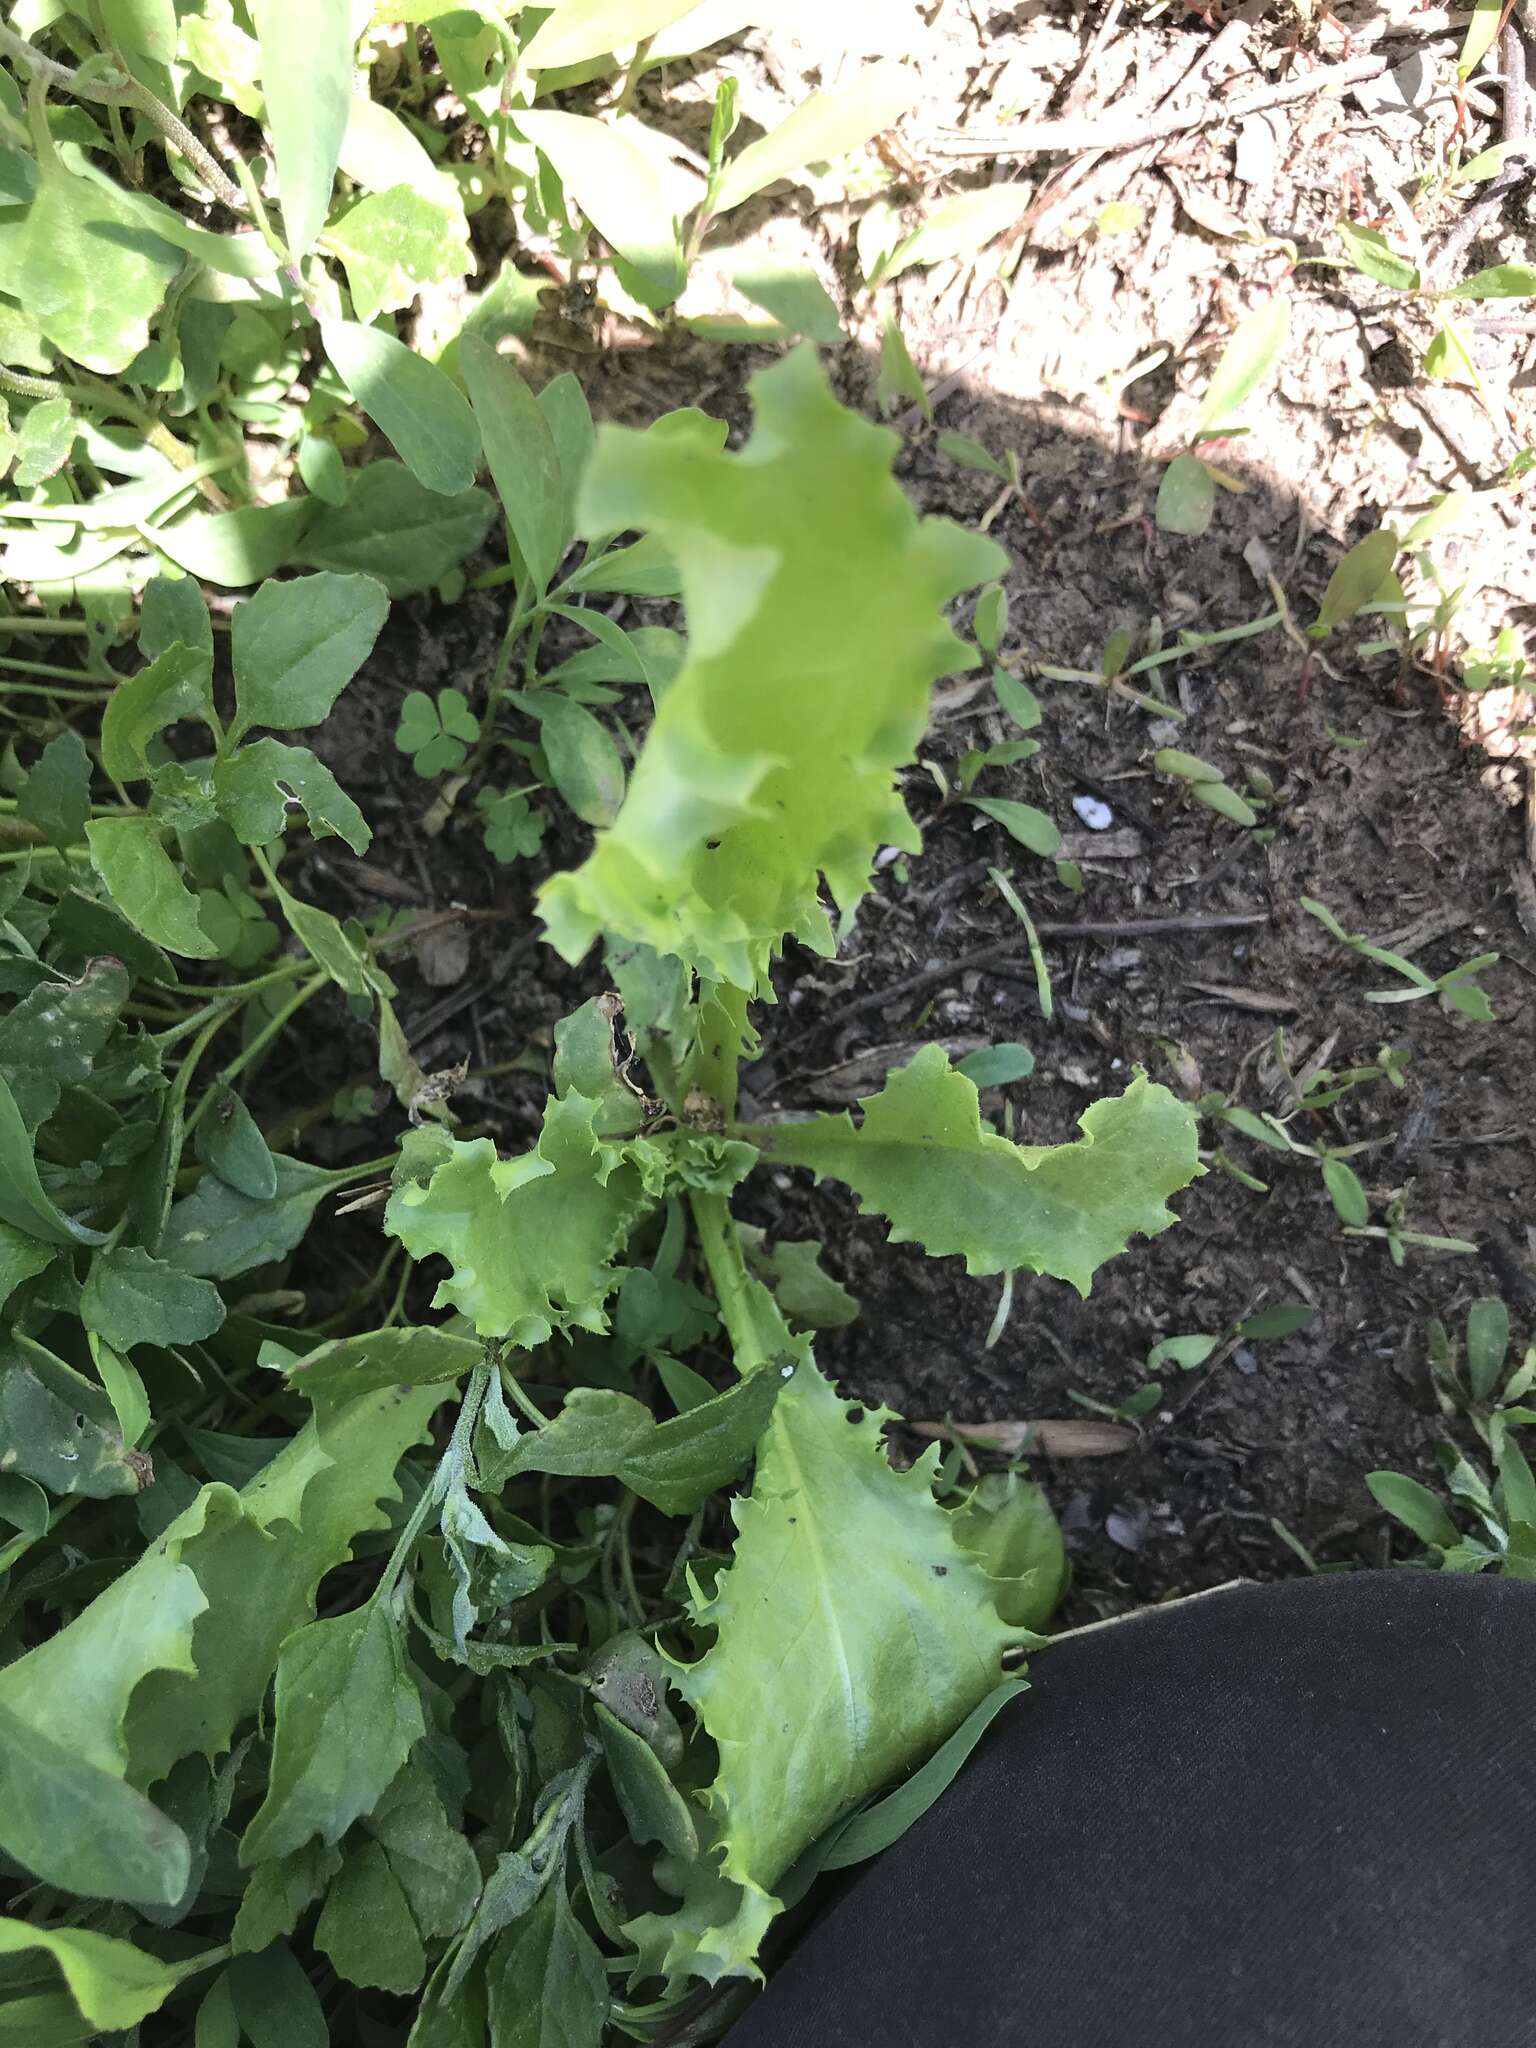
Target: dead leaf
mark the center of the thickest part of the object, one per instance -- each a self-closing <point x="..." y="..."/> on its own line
<point x="442" y="955"/>
<point x="1064" y="1437"/>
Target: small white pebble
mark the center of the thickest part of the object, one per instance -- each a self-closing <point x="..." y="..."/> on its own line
<point x="886" y="855"/>
<point x="1098" y="817"/>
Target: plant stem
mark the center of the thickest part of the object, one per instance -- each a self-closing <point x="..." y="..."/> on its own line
<point x="257" y="1046"/>
<point x="125" y="91"/>
<point x="757" y="1331"/>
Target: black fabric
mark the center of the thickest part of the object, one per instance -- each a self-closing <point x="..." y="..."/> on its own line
<point x="1285" y="1816"/>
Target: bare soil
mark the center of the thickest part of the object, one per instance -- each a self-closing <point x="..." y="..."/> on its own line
<point x="1397" y="802"/>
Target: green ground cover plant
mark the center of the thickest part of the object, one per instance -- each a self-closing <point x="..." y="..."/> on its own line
<point x="528" y="1658"/>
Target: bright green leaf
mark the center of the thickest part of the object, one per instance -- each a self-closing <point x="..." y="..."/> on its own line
<point x="1030" y="827"/>
<point x="130" y="1298"/>
<point x="399" y="243"/>
<point x="771" y="758"/>
<point x="1411" y="1503"/>
<point x="114" y="1984"/>
<point x="297" y="645"/>
<point x="959" y="226"/>
<point x="177" y="684"/>
<point x="56" y="796"/>
<point x="306" y="77"/>
<point x="255" y="786"/>
<point x="578" y="29"/>
<point x="146" y="885"/>
<point x="347" y="1716"/>
<point x="1186" y="497"/>
<point x="410" y="400"/>
<point x="922" y="1158"/>
<point x="1358" y="577"/>
<point x="822" y="128"/>
<point x="396" y="530"/>
<point x="524" y="461"/>
<point x="618" y="187"/>
<point x="1247" y="362"/>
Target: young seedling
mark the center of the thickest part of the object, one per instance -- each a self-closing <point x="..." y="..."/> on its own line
<point x="1186" y="498"/>
<point x="1491" y="1521"/>
<point x="1204" y="785"/>
<point x="1457" y="988"/>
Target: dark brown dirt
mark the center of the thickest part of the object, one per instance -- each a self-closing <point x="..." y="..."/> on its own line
<point x="1381" y="807"/>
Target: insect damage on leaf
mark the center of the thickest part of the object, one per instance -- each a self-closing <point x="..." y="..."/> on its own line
<point x="815" y="601"/>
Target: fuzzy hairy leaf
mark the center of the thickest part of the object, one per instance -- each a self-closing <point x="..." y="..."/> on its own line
<point x="771" y="760"/>
<point x="850" y="1604"/>
<point x="923" y="1159"/>
<point x="530" y="1239"/>
<point x="175" y="1653"/>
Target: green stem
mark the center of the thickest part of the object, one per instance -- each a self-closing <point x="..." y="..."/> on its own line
<point x="756" y="1329"/>
<point x="258" y="1045"/>
<point x="76" y="627"/>
<point x="124" y="91"/>
<point x="45" y="668"/>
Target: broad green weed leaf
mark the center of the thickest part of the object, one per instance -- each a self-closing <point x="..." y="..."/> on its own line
<point x="822" y="128"/>
<point x="1008" y="1525"/>
<point x="410" y="400"/>
<point x="1482" y="33"/>
<point x="530" y="1239"/>
<point x="347" y="1716"/>
<point x="545" y="1979"/>
<point x="524" y="460"/>
<point x="95" y="308"/>
<point x="45" y="442"/>
<point x="77" y="1825"/>
<point x="1186" y="497"/>
<point x="654" y="1808"/>
<point x="1501" y="281"/>
<point x="236" y="549"/>
<point x="297" y="645"/>
<point x="578" y="29"/>
<point x="1410" y="1502"/>
<point x="850" y="1603"/>
<point x="216" y="2025"/>
<point x="399" y="243"/>
<point x="807" y="1295"/>
<point x="277" y="2005"/>
<point x="922" y="1158"/>
<point x="348" y="1366"/>
<point x="564" y="404"/>
<point x="1487" y="1344"/>
<point x="1345" y="1192"/>
<point x="792" y="293"/>
<point x="433" y="1861"/>
<point x="674" y="1465"/>
<point x="328" y="944"/>
<point x="177" y="684"/>
<point x="256" y="786"/>
<point x="53" y="1441"/>
<point x="618" y="187"/>
<point x="114" y="1984"/>
<point x="279" y="1892"/>
<point x="217" y="1232"/>
<point x="131" y="1298"/>
<point x="52" y="1037"/>
<point x="1358" y="578"/>
<point x="306" y="77"/>
<point x="1374" y="257"/>
<point x="584" y="763"/>
<point x="771" y="759"/>
<point x="24" y="1202"/>
<point x="146" y="885"/>
<point x="229" y="1141"/>
<point x="1247" y="362"/>
<point x="143" y="28"/>
<point x="21" y="1258"/>
<point x="366" y="1926"/>
<point x="56" y="796"/>
<point x="395" y="529"/>
<point x="380" y="151"/>
<point x="1023" y="822"/>
<point x="956" y="227"/>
